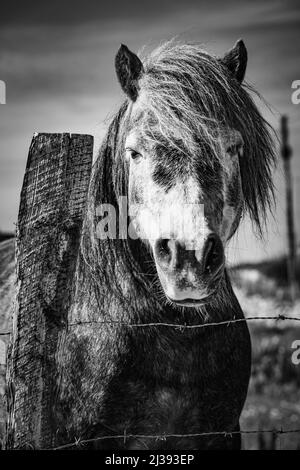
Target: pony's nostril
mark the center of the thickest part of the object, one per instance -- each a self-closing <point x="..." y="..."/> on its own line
<point x="213" y="256"/>
<point x="162" y="250"/>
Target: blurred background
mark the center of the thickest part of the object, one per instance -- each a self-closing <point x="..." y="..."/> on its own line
<point x="57" y="60"/>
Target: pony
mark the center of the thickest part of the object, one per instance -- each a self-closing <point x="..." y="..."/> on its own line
<point x="192" y="154"/>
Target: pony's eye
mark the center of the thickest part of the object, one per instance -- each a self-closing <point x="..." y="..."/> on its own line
<point x="133" y="155"/>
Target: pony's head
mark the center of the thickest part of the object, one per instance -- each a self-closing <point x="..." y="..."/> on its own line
<point x="198" y="155"/>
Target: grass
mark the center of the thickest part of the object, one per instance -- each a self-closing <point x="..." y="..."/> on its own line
<point x="273" y="400"/>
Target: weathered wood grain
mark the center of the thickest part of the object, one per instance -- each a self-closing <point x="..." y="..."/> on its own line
<point x="52" y="205"/>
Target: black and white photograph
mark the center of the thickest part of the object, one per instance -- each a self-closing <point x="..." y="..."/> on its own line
<point x="149" y="228"/>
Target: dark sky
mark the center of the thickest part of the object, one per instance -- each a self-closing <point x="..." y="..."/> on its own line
<point x="57" y="59"/>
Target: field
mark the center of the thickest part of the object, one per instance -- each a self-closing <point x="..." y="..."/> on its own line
<point x="273" y="401"/>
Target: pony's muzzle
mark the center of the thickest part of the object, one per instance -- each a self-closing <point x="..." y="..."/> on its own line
<point x="185" y="269"/>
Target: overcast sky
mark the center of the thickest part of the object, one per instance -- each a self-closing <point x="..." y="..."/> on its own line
<point x="57" y="60"/>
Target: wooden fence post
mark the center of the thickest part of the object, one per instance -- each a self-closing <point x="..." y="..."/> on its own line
<point x="52" y="205"/>
<point x="286" y="153"/>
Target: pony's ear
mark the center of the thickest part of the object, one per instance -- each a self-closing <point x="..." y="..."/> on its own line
<point x="236" y="60"/>
<point x="129" y="69"/>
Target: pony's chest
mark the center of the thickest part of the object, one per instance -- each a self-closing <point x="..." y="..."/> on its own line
<point x="165" y="402"/>
<point x="163" y="387"/>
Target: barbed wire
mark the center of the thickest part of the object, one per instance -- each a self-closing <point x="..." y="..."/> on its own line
<point x="163" y="437"/>
<point x="279" y="317"/>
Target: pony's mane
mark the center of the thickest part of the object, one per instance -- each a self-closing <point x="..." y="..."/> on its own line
<point x="192" y="95"/>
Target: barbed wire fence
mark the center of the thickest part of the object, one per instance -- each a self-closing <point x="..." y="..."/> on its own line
<point x="163" y="437"/>
<point x="276" y="433"/>
<point x="277" y="318"/>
